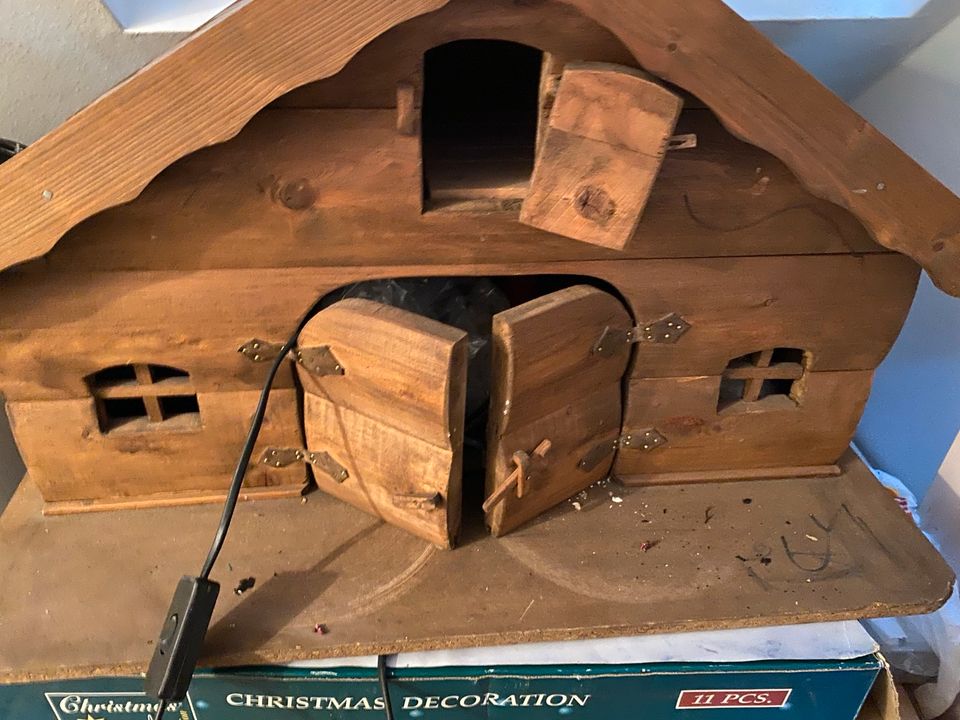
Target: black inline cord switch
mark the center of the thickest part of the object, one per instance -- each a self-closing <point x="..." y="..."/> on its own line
<point x="181" y="639"/>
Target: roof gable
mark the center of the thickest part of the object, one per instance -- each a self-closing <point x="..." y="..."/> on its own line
<point x="205" y="90"/>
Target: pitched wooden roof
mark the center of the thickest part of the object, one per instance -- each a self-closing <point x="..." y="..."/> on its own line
<point x="206" y="89"/>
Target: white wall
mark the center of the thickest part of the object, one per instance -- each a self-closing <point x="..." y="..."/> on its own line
<point x="58" y="55"/>
<point x="914" y="411"/>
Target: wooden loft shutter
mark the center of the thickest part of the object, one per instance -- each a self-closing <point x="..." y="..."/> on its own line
<point x="556" y="406"/>
<point x="600" y="154"/>
<point x="394" y="419"/>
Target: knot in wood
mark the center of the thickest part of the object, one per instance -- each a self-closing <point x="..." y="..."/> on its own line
<point x="297" y="194"/>
<point x="595" y="204"/>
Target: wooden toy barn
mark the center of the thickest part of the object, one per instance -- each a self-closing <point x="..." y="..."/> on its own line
<point x="678" y="258"/>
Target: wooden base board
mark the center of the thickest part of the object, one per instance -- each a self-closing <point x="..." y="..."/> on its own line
<point x="85" y="595"/>
<point x="716" y="476"/>
<point x="172" y="499"/>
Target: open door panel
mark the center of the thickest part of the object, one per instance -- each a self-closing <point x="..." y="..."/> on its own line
<point x="384" y="393"/>
<point x="600" y="154"/>
<point x="555" y="411"/>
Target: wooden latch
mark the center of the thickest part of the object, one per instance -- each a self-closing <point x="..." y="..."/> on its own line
<point x="645" y="440"/>
<point x="284" y="457"/>
<point x="683" y="141"/>
<point x="665" y="331"/>
<point x="519" y="477"/>
<point x="315" y="360"/>
<point x="417" y="501"/>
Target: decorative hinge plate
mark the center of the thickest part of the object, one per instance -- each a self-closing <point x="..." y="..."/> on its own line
<point x="646" y="440"/>
<point x="315" y="360"/>
<point x="665" y="331"/>
<point x="258" y="350"/>
<point x="284" y="457"/>
<point x="319" y="361"/>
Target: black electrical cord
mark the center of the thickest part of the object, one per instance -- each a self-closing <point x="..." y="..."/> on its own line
<point x="230" y="505"/>
<point x="384" y="685"/>
<point x="160" y="711"/>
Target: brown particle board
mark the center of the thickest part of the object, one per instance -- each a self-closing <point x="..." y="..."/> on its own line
<point x="84" y="595"/>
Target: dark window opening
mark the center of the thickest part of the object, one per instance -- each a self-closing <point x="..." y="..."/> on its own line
<point x="144" y="396"/>
<point x="481" y="109"/>
<point x="114" y="376"/>
<point x="762" y="380"/>
<point x="165" y="372"/>
<point x="117" y="412"/>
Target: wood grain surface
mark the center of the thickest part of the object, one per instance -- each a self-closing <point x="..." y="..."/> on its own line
<point x="197" y="320"/>
<point x="395" y="417"/>
<point x="548" y="385"/>
<point x="267" y="47"/>
<point x="600" y="154"/>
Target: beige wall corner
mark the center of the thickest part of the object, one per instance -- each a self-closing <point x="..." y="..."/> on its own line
<point x="58" y="56"/>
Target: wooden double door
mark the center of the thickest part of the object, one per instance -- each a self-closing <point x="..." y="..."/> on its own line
<point x="384" y="408"/>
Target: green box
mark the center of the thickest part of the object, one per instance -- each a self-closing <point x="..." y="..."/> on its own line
<point x="786" y="690"/>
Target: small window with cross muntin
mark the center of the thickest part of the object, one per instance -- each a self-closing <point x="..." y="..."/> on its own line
<point x="764" y="380"/>
<point x="144" y="396"/>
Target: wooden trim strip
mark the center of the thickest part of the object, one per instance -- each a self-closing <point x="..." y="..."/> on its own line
<point x="185" y="498"/>
<point x="713" y="476"/>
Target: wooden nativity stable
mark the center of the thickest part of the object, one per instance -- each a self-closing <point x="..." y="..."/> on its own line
<point x="701" y="254"/>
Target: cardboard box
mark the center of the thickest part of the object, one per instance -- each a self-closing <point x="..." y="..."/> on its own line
<point x="648" y="678"/>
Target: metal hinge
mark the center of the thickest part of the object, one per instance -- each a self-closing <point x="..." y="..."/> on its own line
<point x="665" y="331"/>
<point x="645" y="440"/>
<point x="315" y="360"/>
<point x="284" y="457"/>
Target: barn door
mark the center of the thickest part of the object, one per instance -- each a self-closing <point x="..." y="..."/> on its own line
<point x="383" y="413"/>
<point x="600" y="153"/>
<point x="555" y="410"/>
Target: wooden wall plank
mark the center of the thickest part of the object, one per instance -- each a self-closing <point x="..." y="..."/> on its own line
<point x="70" y="459"/>
<point x="601" y="152"/>
<point x="817" y="431"/>
<point x="343" y="188"/>
<point x="845" y="310"/>
<point x="764" y="97"/>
